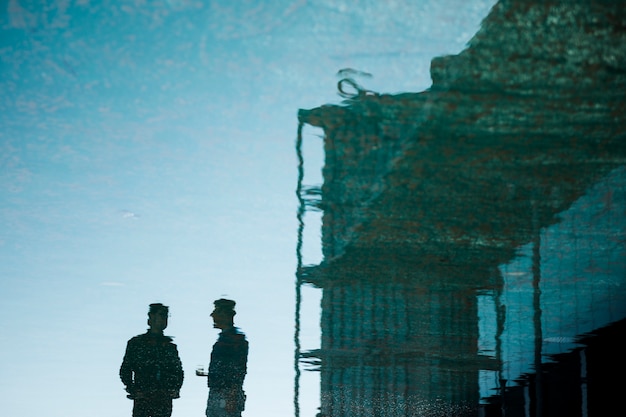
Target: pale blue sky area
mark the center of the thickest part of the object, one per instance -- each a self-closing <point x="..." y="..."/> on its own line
<point x="147" y="154"/>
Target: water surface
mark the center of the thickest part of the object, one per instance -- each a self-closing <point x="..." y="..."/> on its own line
<point x="150" y="153"/>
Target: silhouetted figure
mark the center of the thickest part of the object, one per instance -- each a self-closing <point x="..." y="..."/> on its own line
<point x="151" y="369"/>
<point x="228" y="366"/>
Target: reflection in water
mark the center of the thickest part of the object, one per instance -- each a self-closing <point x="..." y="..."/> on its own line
<point x="151" y="369"/>
<point x="473" y="234"/>
<point x="228" y="366"/>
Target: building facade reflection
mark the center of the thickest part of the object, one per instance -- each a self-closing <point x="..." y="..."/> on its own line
<point x="474" y="232"/>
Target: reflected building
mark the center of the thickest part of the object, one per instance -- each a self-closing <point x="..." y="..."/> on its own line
<point x="473" y="234"/>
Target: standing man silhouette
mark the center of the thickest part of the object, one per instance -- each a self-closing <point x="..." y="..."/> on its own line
<point x="151" y="369"/>
<point x="228" y="365"/>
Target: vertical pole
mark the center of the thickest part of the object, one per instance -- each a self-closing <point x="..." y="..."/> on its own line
<point x="500" y="312"/>
<point x="583" y="383"/>
<point x="536" y="268"/>
<point x="298" y="281"/>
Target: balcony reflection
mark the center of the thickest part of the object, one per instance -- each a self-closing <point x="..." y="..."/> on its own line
<point x="473" y="234"/>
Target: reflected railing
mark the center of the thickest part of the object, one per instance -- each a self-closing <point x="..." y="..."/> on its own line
<point x="396" y="337"/>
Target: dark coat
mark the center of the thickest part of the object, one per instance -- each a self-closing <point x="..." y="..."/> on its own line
<point x="152" y="366"/>
<point x="229" y="359"/>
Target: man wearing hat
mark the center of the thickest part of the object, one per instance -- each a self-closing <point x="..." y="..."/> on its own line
<point x="228" y="365"/>
<point x="151" y="369"/>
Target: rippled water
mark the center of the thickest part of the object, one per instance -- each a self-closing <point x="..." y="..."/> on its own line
<point x="454" y="245"/>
